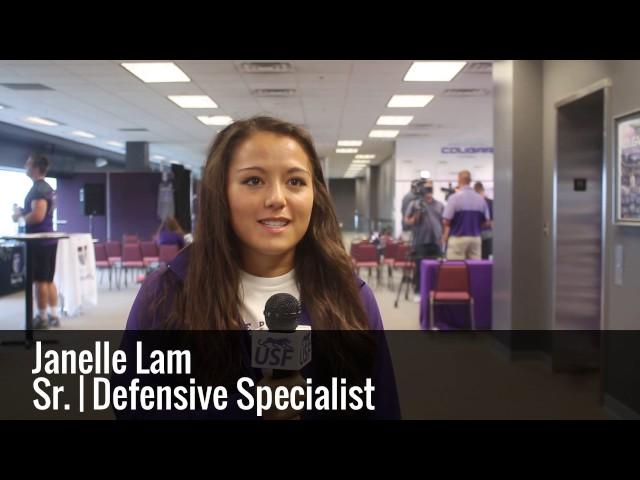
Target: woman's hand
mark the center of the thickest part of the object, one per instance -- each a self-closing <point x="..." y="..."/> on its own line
<point x="289" y="382"/>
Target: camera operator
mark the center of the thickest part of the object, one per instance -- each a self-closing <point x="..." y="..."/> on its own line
<point x="412" y="195"/>
<point x="425" y="216"/>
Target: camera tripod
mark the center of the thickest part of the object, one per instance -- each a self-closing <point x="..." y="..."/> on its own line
<point x="408" y="272"/>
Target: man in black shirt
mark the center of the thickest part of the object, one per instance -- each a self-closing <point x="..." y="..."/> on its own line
<point x="38" y="215"/>
<point x="412" y="195"/>
<point x="487" y="233"/>
<point x="425" y="216"/>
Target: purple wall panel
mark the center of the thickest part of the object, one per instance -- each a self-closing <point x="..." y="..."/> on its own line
<point x="134" y="203"/>
<point x="68" y="201"/>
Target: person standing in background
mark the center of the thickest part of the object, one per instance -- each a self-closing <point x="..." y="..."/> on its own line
<point x="166" y="205"/>
<point x="464" y="216"/>
<point x="425" y="216"/>
<point x="170" y="233"/>
<point x="37" y="214"/>
<point x="406" y="200"/>
<point x="487" y="232"/>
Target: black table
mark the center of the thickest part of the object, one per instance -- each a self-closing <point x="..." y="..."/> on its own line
<point x="29" y="239"/>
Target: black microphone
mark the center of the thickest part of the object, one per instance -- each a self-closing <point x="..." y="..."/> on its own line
<point x="282" y="314"/>
<point x="285" y="347"/>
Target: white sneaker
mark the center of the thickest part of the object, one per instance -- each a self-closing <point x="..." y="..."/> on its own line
<point x="416" y="298"/>
<point x="54" y="321"/>
<point x="40" y="323"/>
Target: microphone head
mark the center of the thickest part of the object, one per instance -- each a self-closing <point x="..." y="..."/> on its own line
<point x="282" y="312"/>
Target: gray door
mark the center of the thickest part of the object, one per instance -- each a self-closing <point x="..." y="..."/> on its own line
<point x="578" y="249"/>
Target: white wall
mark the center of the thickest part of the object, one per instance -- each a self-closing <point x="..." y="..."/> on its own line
<point x="14" y="186"/>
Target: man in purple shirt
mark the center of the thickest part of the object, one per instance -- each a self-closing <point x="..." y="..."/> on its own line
<point x="38" y="215"/>
<point x="465" y="214"/>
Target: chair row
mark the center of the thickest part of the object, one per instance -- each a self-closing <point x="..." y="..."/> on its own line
<point x="131" y="256"/>
<point x="396" y="255"/>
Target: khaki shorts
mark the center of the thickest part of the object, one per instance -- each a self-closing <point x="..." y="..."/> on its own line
<point x="464" y="248"/>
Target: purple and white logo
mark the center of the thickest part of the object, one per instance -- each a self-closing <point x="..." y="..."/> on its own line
<point x="281" y="350"/>
<point x="273" y="352"/>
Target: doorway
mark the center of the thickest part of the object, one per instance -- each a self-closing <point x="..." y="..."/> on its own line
<point x="579" y="232"/>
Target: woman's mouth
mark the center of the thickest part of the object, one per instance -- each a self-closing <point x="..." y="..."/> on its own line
<point x="274" y="225"/>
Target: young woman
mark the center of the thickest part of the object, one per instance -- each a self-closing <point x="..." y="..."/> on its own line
<point x="266" y="225"/>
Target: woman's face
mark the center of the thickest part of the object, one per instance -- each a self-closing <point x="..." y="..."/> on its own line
<point x="270" y="193"/>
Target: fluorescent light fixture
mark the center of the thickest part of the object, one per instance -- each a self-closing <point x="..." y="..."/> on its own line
<point x="384" y="133"/>
<point x="425" y="174"/>
<point x="193" y="101"/>
<point x="409" y="101"/>
<point x="349" y="143"/>
<point x="158" y="157"/>
<point x="365" y="156"/>
<point x="433" y="71"/>
<point x="346" y="150"/>
<point x="83" y="134"/>
<point x="394" y="120"/>
<point x="42" y="121"/>
<point x="101" y="162"/>
<point x="113" y="143"/>
<point x="362" y="162"/>
<point x="215" y="120"/>
<point x="161" y="72"/>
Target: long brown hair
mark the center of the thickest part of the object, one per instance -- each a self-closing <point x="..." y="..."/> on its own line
<point x="210" y="297"/>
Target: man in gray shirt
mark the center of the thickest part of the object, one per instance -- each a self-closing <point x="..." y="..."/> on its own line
<point x="412" y="195"/>
<point x="425" y="215"/>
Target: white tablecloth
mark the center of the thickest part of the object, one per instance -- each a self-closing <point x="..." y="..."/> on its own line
<point x="76" y="272"/>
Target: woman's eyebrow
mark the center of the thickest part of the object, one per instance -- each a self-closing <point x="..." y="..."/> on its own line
<point x="260" y="169"/>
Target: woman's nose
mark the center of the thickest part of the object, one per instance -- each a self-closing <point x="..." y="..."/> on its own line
<point x="275" y="197"/>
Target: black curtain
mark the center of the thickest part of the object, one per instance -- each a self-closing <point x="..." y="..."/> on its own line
<point x="181" y="196"/>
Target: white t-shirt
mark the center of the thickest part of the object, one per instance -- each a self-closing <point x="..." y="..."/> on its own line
<point x="255" y="291"/>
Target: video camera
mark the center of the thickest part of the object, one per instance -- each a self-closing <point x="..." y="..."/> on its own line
<point x="424" y="189"/>
<point x="416" y="185"/>
<point x="423" y="186"/>
<point x="448" y="191"/>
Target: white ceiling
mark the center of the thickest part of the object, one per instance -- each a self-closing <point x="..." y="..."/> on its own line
<point x="335" y="100"/>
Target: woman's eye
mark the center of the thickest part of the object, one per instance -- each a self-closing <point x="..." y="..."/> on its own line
<point x="297" y="182"/>
<point x="253" y="181"/>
